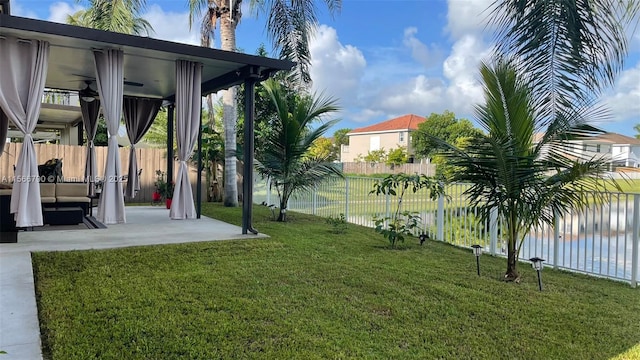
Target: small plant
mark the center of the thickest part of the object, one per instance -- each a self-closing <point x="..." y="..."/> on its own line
<point x="271" y="207"/>
<point x="402" y="223"/>
<point x="395" y="228"/>
<point x="338" y="223"/>
<point x="163" y="187"/>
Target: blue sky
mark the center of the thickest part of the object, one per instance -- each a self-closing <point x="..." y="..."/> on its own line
<point x="383" y="59"/>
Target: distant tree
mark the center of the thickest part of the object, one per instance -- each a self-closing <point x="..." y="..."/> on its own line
<point x="340" y="137"/>
<point x="323" y="148"/>
<point x="637" y="129"/>
<point x="442" y="126"/>
<point x="157" y="134"/>
<point x="397" y="156"/>
<point x="101" y="138"/>
<point x="376" y="156"/>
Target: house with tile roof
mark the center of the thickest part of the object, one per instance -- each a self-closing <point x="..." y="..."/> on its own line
<point x="620" y="150"/>
<point x="387" y="135"/>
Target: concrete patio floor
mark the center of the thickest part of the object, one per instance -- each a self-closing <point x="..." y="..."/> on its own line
<point x="146" y="225"/>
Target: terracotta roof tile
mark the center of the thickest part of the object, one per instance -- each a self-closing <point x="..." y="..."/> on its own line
<point x="405" y="122"/>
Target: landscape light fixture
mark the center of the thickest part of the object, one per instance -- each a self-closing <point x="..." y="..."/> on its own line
<point x="423" y="237"/>
<point x="477" y="251"/>
<point x="536" y="263"/>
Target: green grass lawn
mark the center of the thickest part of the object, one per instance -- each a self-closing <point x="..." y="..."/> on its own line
<point x="306" y="293"/>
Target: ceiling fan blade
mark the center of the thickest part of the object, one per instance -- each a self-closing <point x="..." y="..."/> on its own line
<point x="133" y="83"/>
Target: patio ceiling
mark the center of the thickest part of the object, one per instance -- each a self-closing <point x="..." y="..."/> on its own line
<point x="149" y="62"/>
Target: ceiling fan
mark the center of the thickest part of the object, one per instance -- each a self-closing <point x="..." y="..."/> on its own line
<point x="88" y="94"/>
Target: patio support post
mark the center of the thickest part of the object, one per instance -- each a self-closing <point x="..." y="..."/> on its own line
<point x="635" y="246"/>
<point x="199" y="179"/>
<point x="170" y="112"/>
<point x="247" y="176"/>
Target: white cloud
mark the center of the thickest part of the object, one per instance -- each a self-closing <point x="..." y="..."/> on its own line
<point x="419" y="50"/>
<point x="456" y="88"/>
<point x="17" y="9"/>
<point x="467" y="16"/>
<point x="624" y="102"/>
<point x="336" y="69"/>
<point x="461" y="68"/>
<point x="59" y="11"/>
<point x="420" y="95"/>
<point x="171" y="26"/>
<point x="366" y="115"/>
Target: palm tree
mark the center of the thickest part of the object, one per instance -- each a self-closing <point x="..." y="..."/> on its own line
<point x="289" y="25"/>
<point x="121" y="16"/>
<point x="571" y="50"/>
<point x="527" y="182"/>
<point x="564" y="54"/>
<point x="286" y="159"/>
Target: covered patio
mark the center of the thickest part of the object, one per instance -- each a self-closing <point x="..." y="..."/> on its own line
<point x="104" y="67"/>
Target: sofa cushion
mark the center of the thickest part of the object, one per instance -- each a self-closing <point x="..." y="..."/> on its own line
<point x="71" y="189"/>
<point x="72" y="199"/>
<point x="5" y="192"/>
<point x="47" y="193"/>
<point x="47" y="190"/>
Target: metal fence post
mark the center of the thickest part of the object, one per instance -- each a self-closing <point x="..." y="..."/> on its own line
<point x="346" y="199"/>
<point x="440" y="218"/>
<point x="314" y="208"/>
<point x="493" y="231"/>
<point x="388" y="205"/>
<point x="556" y="240"/>
<point x="268" y="191"/>
<point x="635" y="247"/>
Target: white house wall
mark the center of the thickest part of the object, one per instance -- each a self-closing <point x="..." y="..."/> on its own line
<point x="361" y="144"/>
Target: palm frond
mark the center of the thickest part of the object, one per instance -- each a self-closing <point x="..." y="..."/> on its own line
<point x="572" y="49"/>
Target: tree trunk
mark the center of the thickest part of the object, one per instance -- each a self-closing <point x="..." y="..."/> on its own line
<point x="230" y="118"/>
<point x="512" y="265"/>
<point x="512" y="246"/>
<point x="282" y="215"/>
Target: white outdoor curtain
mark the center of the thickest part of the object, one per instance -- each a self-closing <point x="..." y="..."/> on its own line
<point x="188" y="106"/>
<point x="4" y="129"/>
<point x="22" y="79"/>
<point x="139" y="114"/>
<point x="90" y="111"/>
<point x="110" y="80"/>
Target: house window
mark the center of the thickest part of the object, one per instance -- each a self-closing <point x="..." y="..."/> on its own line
<point x="598" y="148"/>
<point x="401" y="136"/>
<point x="584" y="147"/>
<point x="374" y="143"/>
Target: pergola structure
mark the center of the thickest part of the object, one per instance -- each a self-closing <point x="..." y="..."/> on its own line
<point x="145" y="69"/>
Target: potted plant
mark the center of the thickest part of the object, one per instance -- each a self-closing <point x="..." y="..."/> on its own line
<point x="164" y="188"/>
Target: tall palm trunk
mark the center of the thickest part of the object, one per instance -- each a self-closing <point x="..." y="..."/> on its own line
<point x="512" y="250"/>
<point x="230" y="117"/>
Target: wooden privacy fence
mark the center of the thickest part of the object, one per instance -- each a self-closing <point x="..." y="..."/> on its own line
<point x="73" y="163"/>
